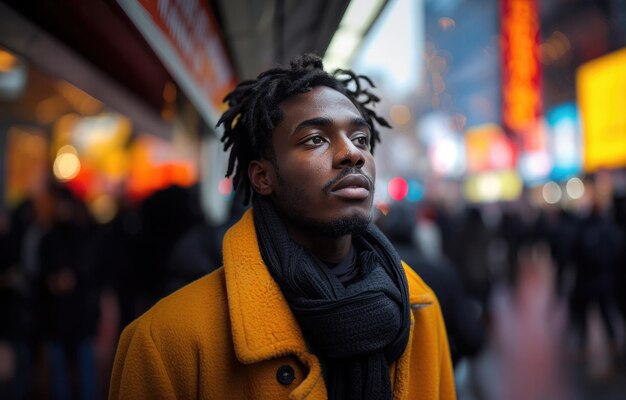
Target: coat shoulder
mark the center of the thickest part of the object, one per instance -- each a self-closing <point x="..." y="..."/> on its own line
<point x="181" y="342"/>
<point x="417" y="286"/>
<point x="190" y="312"/>
<point x="203" y="292"/>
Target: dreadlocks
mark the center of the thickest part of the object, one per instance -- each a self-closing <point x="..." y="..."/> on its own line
<point x="253" y="110"/>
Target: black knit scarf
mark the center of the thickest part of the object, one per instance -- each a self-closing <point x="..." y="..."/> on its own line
<point x="357" y="330"/>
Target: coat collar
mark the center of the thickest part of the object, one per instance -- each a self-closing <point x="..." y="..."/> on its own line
<point x="262" y="324"/>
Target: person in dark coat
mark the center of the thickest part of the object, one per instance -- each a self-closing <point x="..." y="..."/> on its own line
<point x="596" y="255"/>
<point x="69" y="299"/>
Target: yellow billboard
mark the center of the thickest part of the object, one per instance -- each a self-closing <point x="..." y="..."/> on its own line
<point x="601" y="86"/>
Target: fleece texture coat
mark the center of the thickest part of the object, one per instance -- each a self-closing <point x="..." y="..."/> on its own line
<point x="231" y="335"/>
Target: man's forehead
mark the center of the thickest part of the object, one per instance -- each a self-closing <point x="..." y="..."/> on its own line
<point x="319" y="97"/>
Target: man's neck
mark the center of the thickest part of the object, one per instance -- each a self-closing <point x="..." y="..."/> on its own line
<point x="328" y="249"/>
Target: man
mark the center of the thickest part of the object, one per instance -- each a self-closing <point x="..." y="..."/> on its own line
<point x="312" y="301"/>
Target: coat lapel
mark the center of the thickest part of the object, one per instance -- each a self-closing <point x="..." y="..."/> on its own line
<point x="263" y="326"/>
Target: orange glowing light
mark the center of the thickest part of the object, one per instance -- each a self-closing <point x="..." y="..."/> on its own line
<point x="7" y="61"/>
<point x="521" y="86"/>
<point x="488" y="149"/>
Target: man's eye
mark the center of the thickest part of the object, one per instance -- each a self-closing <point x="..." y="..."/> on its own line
<point x="361" y="141"/>
<point x="314" y="140"/>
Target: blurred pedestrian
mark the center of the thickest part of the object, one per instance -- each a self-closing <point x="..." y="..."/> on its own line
<point x="199" y="250"/>
<point x="596" y="253"/>
<point x="165" y="217"/>
<point x="563" y="241"/>
<point x="474" y="266"/>
<point x="69" y="300"/>
<point x="118" y="259"/>
<point x="312" y="300"/>
<point x="20" y="271"/>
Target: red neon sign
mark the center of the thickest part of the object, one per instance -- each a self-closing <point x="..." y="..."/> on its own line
<point x="521" y="70"/>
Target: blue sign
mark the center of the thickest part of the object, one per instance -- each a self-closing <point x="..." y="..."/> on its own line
<point x="565" y="141"/>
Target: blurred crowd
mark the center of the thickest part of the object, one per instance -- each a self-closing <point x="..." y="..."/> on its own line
<point x="69" y="285"/>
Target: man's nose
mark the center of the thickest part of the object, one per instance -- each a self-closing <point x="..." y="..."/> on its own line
<point x="349" y="155"/>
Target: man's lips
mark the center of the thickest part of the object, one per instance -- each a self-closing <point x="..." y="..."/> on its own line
<point x="353" y="187"/>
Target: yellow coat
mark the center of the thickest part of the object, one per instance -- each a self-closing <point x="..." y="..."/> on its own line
<point x="226" y="335"/>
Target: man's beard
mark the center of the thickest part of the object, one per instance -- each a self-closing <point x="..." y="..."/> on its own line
<point x="353" y="224"/>
<point x="292" y="210"/>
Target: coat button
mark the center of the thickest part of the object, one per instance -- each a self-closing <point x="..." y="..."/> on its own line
<point x="285" y="375"/>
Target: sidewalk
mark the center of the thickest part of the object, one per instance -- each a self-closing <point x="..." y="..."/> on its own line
<point x="531" y="354"/>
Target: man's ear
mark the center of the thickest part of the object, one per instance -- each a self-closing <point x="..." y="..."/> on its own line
<point x="261" y="174"/>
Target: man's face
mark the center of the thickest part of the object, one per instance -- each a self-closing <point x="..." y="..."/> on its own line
<point x="324" y="170"/>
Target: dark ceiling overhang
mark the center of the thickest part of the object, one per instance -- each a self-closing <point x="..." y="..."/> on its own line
<point x="257" y="36"/>
<point x="261" y="34"/>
